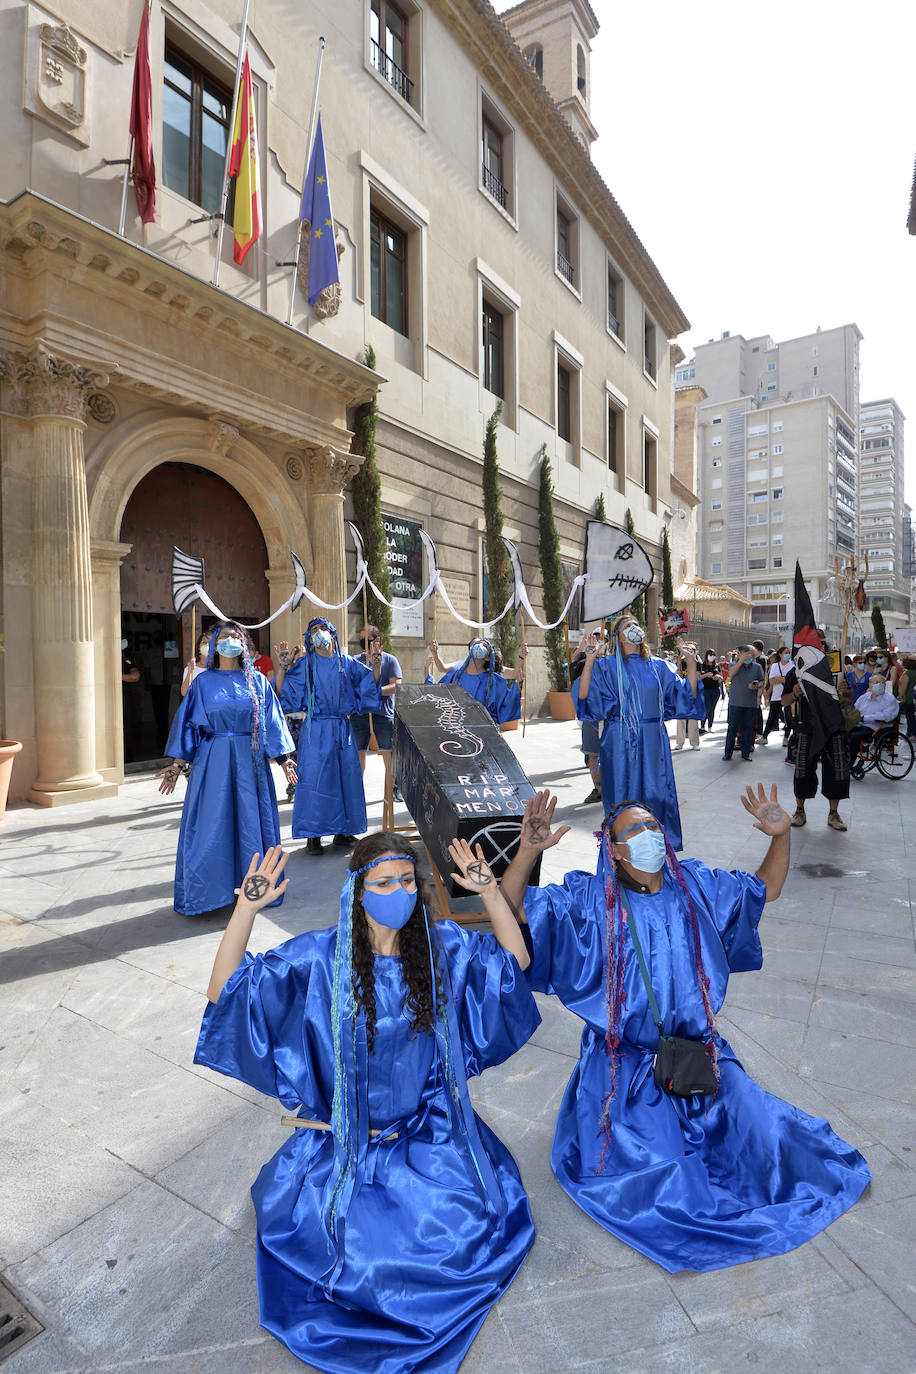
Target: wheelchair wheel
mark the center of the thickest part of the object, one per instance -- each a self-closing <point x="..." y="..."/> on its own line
<point x="894" y="757"/>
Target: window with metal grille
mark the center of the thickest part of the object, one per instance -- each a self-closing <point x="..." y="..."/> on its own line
<point x="388" y="46"/>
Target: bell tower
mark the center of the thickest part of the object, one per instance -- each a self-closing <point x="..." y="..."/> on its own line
<point x="555" y="38"/>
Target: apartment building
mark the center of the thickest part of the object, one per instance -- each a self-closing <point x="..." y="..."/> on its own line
<point x="481" y="255"/>
<point x="885" y="530"/>
<point x="777" y="466"/>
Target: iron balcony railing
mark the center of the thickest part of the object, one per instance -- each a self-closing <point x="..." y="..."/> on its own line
<point x="494" y="187"/>
<point x="565" y="268"/>
<point x="392" y="73"/>
<point x="613" y="323"/>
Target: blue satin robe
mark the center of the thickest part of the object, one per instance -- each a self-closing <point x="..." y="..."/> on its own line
<point x="505" y="699"/>
<point x="330" y="799"/>
<point x="640" y="770"/>
<point x="230" y="808"/>
<point x="694" y="1183"/>
<point x="424" y="1254"/>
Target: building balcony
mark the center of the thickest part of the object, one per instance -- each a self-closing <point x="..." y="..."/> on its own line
<point x="566" y="269"/>
<point x="494" y="187"/>
<point x="393" y="74"/>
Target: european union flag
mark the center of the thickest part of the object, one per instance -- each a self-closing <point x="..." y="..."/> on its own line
<point x="316" y="208"/>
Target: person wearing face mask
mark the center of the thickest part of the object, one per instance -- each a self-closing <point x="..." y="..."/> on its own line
<point x="198" y="664"/>
<point x="858" y="677"/>
<point x="392" y="1218"/>
<point x="228" y="727"/>
<point x="328" y="687"/>
<point x="480" y="675"/>
<point x="778" y="672"/>
<point x="877" y="709"/>
<point x="634" y="694"/>
<point x="382" y="724"/>
<point x="711" y="682"/>
<point x="669" y="1144"/>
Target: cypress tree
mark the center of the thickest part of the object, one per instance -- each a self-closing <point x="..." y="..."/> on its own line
<point x="877" y="621"/>
<point x="499" y="570"/>
<point x="366" y="490"/>
<point x="668" y="641"/>
<point x="600" y="512"/>
<point x="637" y="608"/>
<point x="552" y="578"/>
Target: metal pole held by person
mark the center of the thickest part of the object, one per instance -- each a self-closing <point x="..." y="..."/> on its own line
<point x="308" y="154"/>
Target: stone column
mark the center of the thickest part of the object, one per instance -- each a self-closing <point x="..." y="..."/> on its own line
<point x="51" y="392"/>
<point x="107" y="558"/>
<point x="329" y="473"/>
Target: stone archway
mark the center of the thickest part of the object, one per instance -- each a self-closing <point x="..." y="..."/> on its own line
<point x="115" y="467"/>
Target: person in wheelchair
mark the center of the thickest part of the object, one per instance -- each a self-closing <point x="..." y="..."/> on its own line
<point x="878" y="708"/>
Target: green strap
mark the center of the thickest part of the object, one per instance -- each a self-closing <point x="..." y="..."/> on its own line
<point x="653" y="1005"/>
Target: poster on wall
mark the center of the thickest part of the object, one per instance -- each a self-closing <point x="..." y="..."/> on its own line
<point x="404" y="556"/>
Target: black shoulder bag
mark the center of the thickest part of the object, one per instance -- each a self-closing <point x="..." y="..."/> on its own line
<point x="682" y="1067"/>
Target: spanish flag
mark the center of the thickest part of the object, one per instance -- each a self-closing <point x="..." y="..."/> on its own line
<point x="247" y="224"/>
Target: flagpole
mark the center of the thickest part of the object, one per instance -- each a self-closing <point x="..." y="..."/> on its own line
<point x="235" y="105"/>
<point x="308" y="153"/>
<point x="130" y="157"/>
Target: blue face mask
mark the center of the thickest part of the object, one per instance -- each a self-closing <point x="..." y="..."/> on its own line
<point x="480" y="651"/>
<point x="229" y="648"/>
<point x="877" y="689"/>
<point x="647" y="850"/>
<point x="321" y="639"/>
<point x="391" y="909"/>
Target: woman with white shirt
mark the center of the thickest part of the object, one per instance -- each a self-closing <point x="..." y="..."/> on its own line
<point x="775" y="680"/>
<point x="199" y="664"/>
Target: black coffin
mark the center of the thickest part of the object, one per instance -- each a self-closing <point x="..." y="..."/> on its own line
<point x="458" y="776"/>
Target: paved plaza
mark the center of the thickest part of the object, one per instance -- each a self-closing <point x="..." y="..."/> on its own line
<point x="125" y="1221"/>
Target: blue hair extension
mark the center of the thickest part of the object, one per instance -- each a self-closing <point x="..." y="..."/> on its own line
<point x="342" y="1011"/>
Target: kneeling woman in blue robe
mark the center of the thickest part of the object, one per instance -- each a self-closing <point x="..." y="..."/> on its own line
<point x="479" y="675"/>
<point x="635" y="694"/>
<point x="329" y="687"/>
<point x="384" y="1237"/>
<point x="228" y="726"/>
<point x="698" y="1182"/>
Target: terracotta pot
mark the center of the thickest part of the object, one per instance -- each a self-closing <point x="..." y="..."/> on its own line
<point x="562" y="706"/>
<point x="508" y="725"/>
<point x="9" y="748"/>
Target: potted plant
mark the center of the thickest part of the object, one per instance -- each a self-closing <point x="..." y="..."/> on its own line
<point x="561" y="703"/>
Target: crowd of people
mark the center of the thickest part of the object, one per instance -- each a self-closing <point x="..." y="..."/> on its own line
<point x="393" y="1218"/>
<point x="312" y="709"/>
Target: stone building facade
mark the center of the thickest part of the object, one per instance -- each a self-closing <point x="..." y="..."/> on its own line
<point x="481" y="255"/>
<point x="777" y="456"/>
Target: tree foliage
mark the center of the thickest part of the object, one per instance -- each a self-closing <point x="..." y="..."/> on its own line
<point x="877" y="621"/>
<point x="600" y="512"/>
<point x="500" y="581"/>
<point x="552" y="578"/>
<point x="366" y="491"/>
<point x="637" y="608"/>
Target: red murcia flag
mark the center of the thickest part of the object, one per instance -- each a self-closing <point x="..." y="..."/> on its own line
<point x="143" y="170"/>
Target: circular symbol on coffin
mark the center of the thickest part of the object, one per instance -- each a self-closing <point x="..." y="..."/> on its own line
<point x="625" y="551"/>
<point x="464" y="747"/>
<point x="499" y="841"/>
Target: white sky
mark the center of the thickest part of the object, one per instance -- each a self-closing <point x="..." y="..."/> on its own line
<point x="764" y="155"/>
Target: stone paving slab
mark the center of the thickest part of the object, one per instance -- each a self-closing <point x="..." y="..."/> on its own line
<point x="124" y="1189"/>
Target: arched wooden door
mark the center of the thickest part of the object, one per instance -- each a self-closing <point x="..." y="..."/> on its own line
<point x="179" y="505"/>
